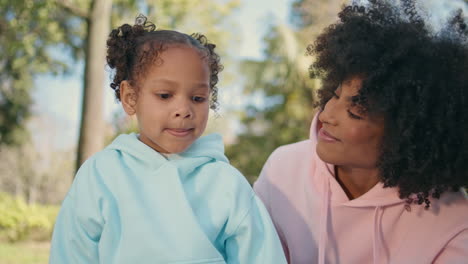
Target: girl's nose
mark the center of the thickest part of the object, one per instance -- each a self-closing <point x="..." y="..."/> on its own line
<point x="183" y="114"/>
<point x="183" y="111"/>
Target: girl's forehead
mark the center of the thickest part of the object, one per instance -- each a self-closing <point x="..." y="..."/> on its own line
<point x="156" y="50"/>
<point x="153" y="55"/>
<point x="163" y="44"/>
<point x="177" y="62"/>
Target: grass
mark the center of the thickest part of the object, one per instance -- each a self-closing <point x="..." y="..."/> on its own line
<point x="24" y="253"/>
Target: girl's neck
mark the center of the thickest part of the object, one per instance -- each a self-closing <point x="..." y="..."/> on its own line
<point x="356" y="181"/>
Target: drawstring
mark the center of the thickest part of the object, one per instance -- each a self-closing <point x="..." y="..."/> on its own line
<point x="377" y="231"/>
<point x="324" y="222"/>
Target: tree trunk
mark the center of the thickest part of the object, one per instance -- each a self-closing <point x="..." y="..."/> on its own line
<point x="91" y="137"/>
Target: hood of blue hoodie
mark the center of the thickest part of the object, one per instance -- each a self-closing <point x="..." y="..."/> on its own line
<point x="206" y="149"/>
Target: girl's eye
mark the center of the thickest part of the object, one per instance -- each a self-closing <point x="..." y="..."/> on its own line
<point x="198" y="99"/>
<point x="353" y="116"/>
<point x="164" y="96"/>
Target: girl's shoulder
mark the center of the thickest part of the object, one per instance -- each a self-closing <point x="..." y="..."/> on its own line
<point x="224" y="174"/>
<point x="105" y="159"/>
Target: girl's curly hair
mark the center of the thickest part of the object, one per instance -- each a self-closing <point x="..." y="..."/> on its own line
<point x="414" y="78"/>
<point x="132" y="49"/>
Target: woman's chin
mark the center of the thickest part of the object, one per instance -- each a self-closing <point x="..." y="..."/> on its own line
<point x="324" y="154"/>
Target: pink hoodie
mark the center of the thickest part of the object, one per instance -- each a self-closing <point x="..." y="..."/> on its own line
<point x="317" y="223"/>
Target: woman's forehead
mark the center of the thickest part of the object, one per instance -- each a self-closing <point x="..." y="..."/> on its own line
<point x="352" y="84"/>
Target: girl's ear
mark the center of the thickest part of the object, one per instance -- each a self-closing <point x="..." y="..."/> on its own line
<point x="128" y="97"/>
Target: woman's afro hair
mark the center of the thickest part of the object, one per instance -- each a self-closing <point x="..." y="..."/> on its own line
<point x="413" y="77"/>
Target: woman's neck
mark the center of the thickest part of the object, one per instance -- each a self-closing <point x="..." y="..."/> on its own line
<point x="356" y="181"/>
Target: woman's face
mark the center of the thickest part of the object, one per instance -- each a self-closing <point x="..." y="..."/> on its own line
<point x="347" y="137"/>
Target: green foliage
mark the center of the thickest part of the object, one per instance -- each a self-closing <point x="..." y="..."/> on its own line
<point x="282" y="81"/>
<point x="24" y="253"/>
<point x="20" y="221"/>
<point x="288" y="95"/>
<point x="209" y="17"/>
<point x="206" y="17"/>
<point x="28" y="28"/>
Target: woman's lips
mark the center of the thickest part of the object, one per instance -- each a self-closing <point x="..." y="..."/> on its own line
<point x="179" y="132"/>
<point x="325" y="136"/>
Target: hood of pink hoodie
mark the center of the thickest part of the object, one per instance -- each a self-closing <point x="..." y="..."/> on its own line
<point x="375" y="199"/>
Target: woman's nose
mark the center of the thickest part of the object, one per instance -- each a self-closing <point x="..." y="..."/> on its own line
<point x="328" y="114"/>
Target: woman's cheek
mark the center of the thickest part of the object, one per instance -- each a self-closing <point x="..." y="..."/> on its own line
<point x="356" y="135"/>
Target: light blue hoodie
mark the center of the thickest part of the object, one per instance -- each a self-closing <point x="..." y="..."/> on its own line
<point x="130" y="204"/>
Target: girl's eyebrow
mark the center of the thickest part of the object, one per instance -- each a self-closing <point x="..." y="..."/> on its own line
<point x="200" y="86"/>
<point x="165" y="81"/>
<point x="171" y="84"/>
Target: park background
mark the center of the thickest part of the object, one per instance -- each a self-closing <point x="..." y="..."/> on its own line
<point x="56" y="107"/>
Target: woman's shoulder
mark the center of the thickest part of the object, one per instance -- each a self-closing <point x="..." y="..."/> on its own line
<point x="293" y="151"/>
<point x="290" y="158"/>
<point x="450" y="212"/>
<point x="453" y="206"/>
<point x="287" y="167"/>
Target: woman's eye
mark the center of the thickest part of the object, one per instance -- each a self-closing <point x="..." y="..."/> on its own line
<point x="335" y="95"/>
<point x="198" y="99"/>
<point x="354" y="116"/>
<point x="164" y="96"/>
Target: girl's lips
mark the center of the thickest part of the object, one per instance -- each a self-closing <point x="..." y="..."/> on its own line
<point x="325" y="136"/>
<point x="179" y="132"/>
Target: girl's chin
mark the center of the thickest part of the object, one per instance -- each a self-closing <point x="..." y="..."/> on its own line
<point x="176" y="149"/>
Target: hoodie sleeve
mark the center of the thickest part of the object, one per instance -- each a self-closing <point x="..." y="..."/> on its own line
<point x="456" y="251"/>
<point x="79" y="223"/>
<point x="262" y="188"/>
<point x="255" y="239"/>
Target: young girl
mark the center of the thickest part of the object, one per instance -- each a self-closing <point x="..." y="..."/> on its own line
<point x="164" y="195"/>
<point x="380" y="179"/>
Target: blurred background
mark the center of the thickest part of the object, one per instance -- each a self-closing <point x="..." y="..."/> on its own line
<point x="57" y="109"/>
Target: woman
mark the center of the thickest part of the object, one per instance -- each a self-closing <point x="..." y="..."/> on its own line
<point x="381" y="178"/>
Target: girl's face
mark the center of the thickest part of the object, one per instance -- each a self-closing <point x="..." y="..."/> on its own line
<point x="348" y="138"/>
<point x="172" y="104"/>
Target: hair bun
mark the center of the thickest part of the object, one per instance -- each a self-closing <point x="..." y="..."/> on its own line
<point x="121" y="48"/>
